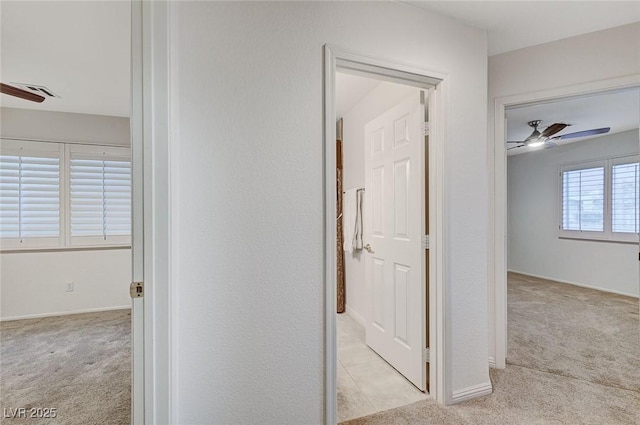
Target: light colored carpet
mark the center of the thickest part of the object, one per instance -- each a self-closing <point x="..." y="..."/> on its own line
<point x="557" y="373"/>
<point x="79" y="364"/>
<point x="572" y="331"/>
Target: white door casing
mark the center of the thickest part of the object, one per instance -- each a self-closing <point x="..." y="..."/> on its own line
<point x="393" y="228"/>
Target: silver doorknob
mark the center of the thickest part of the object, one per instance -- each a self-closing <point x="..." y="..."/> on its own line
<point x="368" y="248"/>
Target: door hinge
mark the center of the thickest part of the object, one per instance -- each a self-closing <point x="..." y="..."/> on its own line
<point x="136" y="289"/>
<point x="426" y="355"/>
<point x="425" y="242"/>
<point x="425" y="128"/>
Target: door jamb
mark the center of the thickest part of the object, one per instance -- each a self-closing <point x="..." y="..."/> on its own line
<point x="150" y="141"/>
<point x="439" y="106"/>
<point x="499" y="278"/>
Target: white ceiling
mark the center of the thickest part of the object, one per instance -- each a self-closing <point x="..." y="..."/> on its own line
<point x="512" y="25"/>
<point x="79" y="49"/>
<point x="619" y="110"/>
<point x="351" y="89"/>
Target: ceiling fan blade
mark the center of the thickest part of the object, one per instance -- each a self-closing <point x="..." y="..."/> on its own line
<point x="516" y="147"/>
<point x="18" y="92"/>
<point x="553" y="129"/>
<point x="584" y="133"/>
<point x="514" y="141"/>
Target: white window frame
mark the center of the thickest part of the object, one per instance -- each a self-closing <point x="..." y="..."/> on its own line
<point x="620" y="236"/>
<point x="37" y="149"/>
<point x="99" y="153"/>
<point x="606" y="234"/>
<point x="63" y="151"/>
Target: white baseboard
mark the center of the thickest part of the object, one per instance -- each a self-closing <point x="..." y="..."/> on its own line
<point x="65" y="313"/>
<point x="473" y="391"/>
<point x="492" y="362"/>
<point x="582" y="285"/>
<point x="355" y="316"/>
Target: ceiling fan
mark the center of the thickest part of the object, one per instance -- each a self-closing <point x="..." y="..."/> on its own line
<point x="21" y="93"/>
<point x="546" y="137"/>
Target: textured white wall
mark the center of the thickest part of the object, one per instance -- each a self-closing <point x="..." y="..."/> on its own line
<point x="533" y="205"/>
<point x="64" y="127"/>
<point x="248" y="196"/>
<point x="34" y="283"/>
<point x="382" y="98"/>
<point x="591" y="57"/>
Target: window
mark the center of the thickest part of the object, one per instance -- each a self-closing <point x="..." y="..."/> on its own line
<point x="100" y="196"/>
<point x="55" y="195"/>
<point x="30" y="196"/>
<point x="583" y="200"/>
<point x="624" y="197"/>
<point x="599" y="200"/>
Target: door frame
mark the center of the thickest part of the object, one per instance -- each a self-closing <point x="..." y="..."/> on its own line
<point x="152" y="397"/>
<point x="336" y="58"/>
<point x="498" y="270"/>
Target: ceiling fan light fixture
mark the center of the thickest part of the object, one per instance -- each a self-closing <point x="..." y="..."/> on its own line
<point x="535" y="143"/>
<point x="533" y="137"/>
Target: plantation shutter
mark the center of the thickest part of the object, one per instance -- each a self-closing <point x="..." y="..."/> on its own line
<point x="624" y="198"/>
<point x="583" y="200"/>
<point x="30" y="200"/>
<point x="100" y="199"/>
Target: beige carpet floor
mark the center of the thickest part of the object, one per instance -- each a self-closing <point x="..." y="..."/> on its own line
<point x="573" y="359"/>
<point x="78" y="364"/>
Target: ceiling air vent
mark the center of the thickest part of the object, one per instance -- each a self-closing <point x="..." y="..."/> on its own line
<point x="41" y="90"/>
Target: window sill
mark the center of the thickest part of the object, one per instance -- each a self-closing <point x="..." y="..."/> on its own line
<point x="595" y="239"/>
<point x="64" y="249"/>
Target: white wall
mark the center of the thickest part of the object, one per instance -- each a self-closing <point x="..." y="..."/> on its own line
<point x="533" y="211"/>
<point x="33" y="283"/>
<point x="248" y="196"/>
<point x="382" y="98"/>
<point x="591" y="57"/>
<point x="64" y="127"/>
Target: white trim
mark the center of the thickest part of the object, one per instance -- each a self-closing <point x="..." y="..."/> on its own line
<point x="65" y="313"/>
<point x="581" y="285"/>
<point x="174" y="206"/>
<point x="355" y="316"/>
<point x="157" y="267"/>
<point x="137" y="232"/>
<point x="329" y="276"/>
<point x="439" y="110"/>
<point x="499" y="209"/>
<point x="492" y="362"/>
<point x="471" y="392"/>
<point x="66" y="142"/>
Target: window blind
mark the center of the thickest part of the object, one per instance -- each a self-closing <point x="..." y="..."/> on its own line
<point x="100" y="192"/>
<point x="624" y="198"/>
<point x="29" y="197"/>
<point x="583" y="199"/>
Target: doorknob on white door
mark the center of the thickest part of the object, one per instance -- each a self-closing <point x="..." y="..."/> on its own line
<point x="368" y="248"/>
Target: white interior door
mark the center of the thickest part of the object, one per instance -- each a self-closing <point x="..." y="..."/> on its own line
<point x="393" y="229"/>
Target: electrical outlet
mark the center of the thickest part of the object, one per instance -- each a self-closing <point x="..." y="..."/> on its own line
<point x="70" y="286"/>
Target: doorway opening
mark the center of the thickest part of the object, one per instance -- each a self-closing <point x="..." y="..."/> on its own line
<point x="378" y="123"/>
<point x="66" y="177"/>
<point x="577" y="192"/>
<point x="383" y="183"/>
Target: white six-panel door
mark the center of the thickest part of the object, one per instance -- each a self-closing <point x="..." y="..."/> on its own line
<point x="393" y="229"/>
